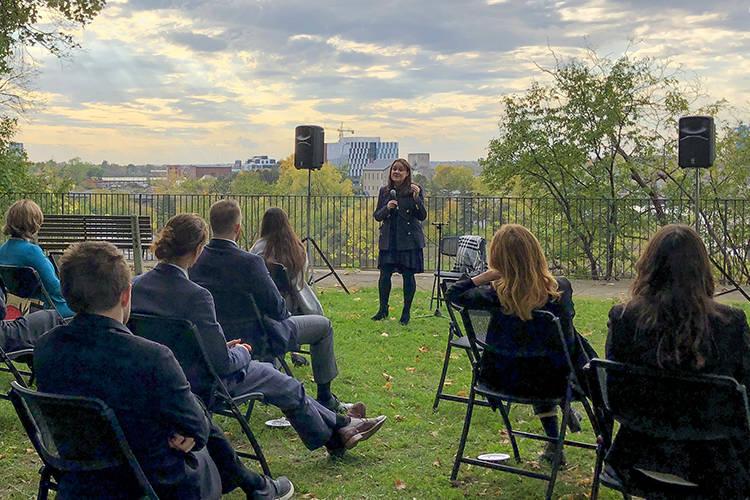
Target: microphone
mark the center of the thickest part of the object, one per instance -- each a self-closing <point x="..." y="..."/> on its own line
<point x="393" y="196"/>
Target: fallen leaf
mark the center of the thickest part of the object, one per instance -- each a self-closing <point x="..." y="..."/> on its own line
<point x="384" y="334"/>
<point x="393" y="406"/>
<point x="386" y="387"/>
<point x="309" y="496"/>
<point x="400" y="485"/>
<point x="398" y="418"/>
<point x="410" y="369"/>
<point x="386" y="376"/>
<point x="586" y="333"/>
<point x="416" y="360"/>
<point x="437" y="463"/>
<point x="448" y="382"/>
<point x="390" y="358"/>
<point x="434" y="433"/>
<point x="424" y="349"/>
<point x="436" y="335"/>
<point x="462" y="394"/>
<point x="357" y="298"/>
<point x="455" y="355"/>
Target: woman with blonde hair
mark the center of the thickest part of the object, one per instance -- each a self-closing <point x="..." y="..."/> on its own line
<point x="22" y="221"/>
<point x="520" y="283"/>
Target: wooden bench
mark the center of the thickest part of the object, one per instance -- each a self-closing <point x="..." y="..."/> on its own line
<point x="126" y="232"/>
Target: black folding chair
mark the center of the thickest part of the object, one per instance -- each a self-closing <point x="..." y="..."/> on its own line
<point x="24" y="282"/>
<point x="182" y="337"/>
<point x="457" y="339"/>
<point x="24" y="377"/>
<point x="694" y="408"/>
<point x="240" y="318"/>
<point x="76" y="434"/>
<point x="542" y="373"/>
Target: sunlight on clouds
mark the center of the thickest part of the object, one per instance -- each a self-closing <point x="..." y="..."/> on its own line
<point x="369" y="48"/>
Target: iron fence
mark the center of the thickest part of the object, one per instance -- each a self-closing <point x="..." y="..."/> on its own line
<point x="585" y="238"/>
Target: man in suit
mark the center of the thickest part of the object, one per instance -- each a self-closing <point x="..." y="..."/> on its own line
<point x="225" y="266"/>
<point x="21" y="333"/>
<point x="183" y="454"/>
<point x="167" y="291"/>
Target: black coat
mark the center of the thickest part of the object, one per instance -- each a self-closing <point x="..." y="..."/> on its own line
<point x="407" y="218"/>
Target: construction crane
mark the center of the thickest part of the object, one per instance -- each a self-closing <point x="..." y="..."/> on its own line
<point x="341" y="131"/>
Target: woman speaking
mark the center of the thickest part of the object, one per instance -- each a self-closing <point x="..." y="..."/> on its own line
<point x="401" y="212"/>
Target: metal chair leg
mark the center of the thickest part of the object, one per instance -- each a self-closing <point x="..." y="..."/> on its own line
<point x="464" y="434"/>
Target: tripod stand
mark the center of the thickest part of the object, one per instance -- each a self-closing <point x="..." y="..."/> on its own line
<point x="436" y="280"/>
<point x="308" y="239"/>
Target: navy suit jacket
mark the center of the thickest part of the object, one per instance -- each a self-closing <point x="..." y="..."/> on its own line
<point x="224" y="265"/>
<point x="140" y="380"/>
<point x="166" y="291"/>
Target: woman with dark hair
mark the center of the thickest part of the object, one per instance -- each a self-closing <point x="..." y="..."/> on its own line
<point x="279" y="243"/>
<point x="400" y="211"/>
<point x="520" y="283"/>
<point x="672" y="322"/>
<point x="22" y="221"/>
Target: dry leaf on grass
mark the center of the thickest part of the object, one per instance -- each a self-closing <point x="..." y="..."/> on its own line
<point x="434" y="433"/>
<point x="398" y="418"/>
<point x="386" y="376"/>
<point x="410" y="369"/>
<point x="437" y="463"/>
<point x="357" y="298"/>
<point x="400" y="485"/>
<point x="384" y="334"/>
<point x="386" y="387"/>
<point x="463" y="394"/>
<point x="424" y="349"/>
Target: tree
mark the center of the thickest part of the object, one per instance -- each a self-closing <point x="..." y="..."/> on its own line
<point x="326" y="181"/>
<point x="449" y="179"/>
<point x="250" y="183"/>
<point x="600" y="128"/>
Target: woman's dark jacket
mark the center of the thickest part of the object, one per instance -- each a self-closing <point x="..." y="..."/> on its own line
<point x="509" y="337"/>
<point x="407" y="217"/>
<point x="723" y="465"/>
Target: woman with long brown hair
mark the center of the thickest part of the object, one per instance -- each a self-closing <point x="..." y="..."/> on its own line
<point x="520" y="283"/>
<point x="672" y="322"/>
<point x="400" y="211"/>
<point x="279" y="243"/>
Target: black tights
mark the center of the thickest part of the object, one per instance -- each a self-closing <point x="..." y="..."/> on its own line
<point x="384" y="288"/>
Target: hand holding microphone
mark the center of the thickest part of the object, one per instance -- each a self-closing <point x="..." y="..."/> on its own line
<point x="393" y="203"/>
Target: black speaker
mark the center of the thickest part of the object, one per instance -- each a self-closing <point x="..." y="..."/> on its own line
<point x="308" y="147"/>
<point x="697" y="144"/>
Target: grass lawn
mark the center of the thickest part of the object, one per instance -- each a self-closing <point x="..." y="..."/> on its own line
<point x="395" y="371"/>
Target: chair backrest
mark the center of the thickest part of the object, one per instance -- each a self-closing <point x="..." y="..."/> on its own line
<point x="24" y="282"/>
<point x="240" y="318"/>
<point x="76" y="434"/>
<point x="531" y="359"/>
<point x="449" y="246"/>
<point x="10" y="367"/>
<point x="182" y="337"/>
<point x="694" y="407"/>
<point x="280" y="277"/>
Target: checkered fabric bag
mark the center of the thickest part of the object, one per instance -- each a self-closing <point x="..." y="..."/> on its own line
<point x="470" y="256"/>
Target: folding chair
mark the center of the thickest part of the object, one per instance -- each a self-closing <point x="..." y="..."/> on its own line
<point x="542" y="373"/>
<point x="240" y="318"/>
<point x="695" y="408"/>
<point x="182" y="337"/>
<point x="458" y="340"/>
<point x="453" y="246"/>
<point x="293" y="300"/>
<point x="24" y="282"/>
<point x="10" y="359"/>
<point x="75" y="434"/>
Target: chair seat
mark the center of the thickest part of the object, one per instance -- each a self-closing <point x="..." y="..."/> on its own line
<point x="447" y="275"/>
<point x="463" y="342"/>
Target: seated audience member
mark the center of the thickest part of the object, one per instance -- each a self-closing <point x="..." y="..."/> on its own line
<point x="672" y="322"/>
<point x="225" y="265"/>
<point x="21" y="333"/>
<point x="167" y="291"/>
<point x="521" y="283"/>
<point x="183" y="454"/>
<point x="22" y="221"/>
<point x="279" y="243"/>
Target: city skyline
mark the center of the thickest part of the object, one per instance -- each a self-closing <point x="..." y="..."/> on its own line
<point x="167" y="82"/>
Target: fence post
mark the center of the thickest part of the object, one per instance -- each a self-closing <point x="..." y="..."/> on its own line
<point x="137" y="250"/>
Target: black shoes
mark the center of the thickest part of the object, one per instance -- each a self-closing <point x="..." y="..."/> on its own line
<point x="405" y="317"/>
<point x="335" y="405"/>
<point x="275" y="489"/>
<point x="548" y="455"/>
<point x="574" y="423"/>
<point x="382" y="314"/>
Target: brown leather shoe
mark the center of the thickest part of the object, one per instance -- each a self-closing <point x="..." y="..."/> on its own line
<point x="357" y="410"/>
<point x="360" y="429"/>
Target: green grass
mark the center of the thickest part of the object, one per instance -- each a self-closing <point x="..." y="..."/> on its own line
<point x="395" y="371"/>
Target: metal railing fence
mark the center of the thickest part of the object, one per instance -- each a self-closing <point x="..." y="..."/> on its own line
<point x="584" y="238"/>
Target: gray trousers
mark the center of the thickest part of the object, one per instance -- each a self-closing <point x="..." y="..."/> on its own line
<point x="314" y="423"/>
<point x="21" y="333"/>
<point x="317" y="332"/>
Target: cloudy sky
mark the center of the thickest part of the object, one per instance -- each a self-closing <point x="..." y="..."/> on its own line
<point x="201" y="81"/>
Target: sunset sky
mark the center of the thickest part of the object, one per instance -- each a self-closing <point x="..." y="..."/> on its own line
<point x="195" y="81"/>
